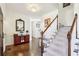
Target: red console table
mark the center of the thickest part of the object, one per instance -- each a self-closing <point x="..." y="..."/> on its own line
<point x="20" y="39"/>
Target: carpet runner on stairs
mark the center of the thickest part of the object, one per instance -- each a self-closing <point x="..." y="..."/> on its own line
<point x="59" y="45"/>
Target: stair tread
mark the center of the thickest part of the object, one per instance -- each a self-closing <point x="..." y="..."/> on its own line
<point x="58" y="47"/>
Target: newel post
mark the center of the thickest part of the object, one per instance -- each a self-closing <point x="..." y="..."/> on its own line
<point x="42" y="46"/>
<point x="69" y="43"/>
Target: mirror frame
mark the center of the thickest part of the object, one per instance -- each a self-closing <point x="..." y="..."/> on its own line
<point x="20" y="20"/>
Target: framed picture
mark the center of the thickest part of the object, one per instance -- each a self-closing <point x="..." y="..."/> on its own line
<point x="66" y="4"/>
<point x="20" y="25"/>
<point x="47" y="22"/>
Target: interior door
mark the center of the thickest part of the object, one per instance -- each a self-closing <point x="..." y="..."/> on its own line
<point x="1" y="33"/>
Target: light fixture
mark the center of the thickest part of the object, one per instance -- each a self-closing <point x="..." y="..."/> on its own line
<point x="33" y="7"/>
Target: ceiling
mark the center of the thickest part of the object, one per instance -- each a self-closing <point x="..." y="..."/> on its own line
<point x="22" y="8"/>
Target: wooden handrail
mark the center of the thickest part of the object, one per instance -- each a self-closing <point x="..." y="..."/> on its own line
<point x="42" y="33"/>
<point x="73" y="24"/>
<point x="50" y="24"/>
<point x="69" y="35"/>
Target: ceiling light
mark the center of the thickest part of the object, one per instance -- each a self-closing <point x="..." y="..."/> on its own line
<point x="33" y="7"/>
<point x="34" y="10"/>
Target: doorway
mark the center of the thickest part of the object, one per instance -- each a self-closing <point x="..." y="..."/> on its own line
<point x="35" y="37"/>
<point x="1" y="33"/>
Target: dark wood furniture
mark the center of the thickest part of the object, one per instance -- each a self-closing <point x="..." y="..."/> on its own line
<point x="20" y="39"/>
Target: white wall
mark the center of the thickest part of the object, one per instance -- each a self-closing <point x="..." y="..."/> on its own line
<point x="10" y="27"/>
<point x="66" y="14"/>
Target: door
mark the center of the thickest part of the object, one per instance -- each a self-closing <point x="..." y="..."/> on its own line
<point x="1" y="31"/>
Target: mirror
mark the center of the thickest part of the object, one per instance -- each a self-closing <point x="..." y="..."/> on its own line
<point x="20" y="25"/>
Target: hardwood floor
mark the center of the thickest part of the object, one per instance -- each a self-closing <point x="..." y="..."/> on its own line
<point x="35" y="48"/>
<point x="18" y="50"/>
<point x="23" y="49"/>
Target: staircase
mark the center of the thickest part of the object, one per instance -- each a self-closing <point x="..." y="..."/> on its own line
<point x="57" y="40"/>
<point x="58" y="46"/>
